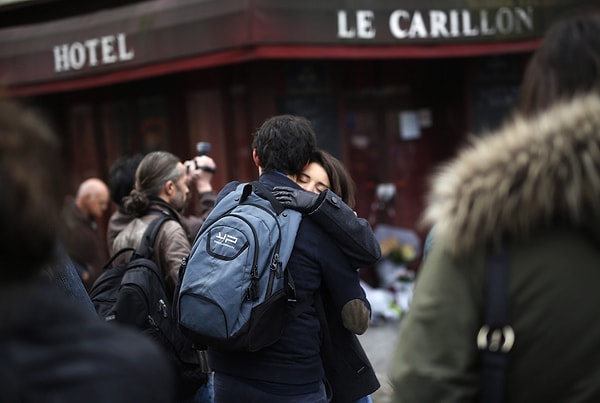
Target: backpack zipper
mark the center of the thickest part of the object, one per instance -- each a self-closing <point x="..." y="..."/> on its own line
<point x="252" y="292"/>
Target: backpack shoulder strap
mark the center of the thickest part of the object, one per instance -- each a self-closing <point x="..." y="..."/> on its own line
<point x="114" y="257"/>
<point x="496" y="337"/>
<point x="223" y="205"/>
<point x="146" y="249"/>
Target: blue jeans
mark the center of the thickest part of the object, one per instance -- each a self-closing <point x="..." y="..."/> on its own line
<point x="204" y="394"/>
<point x="228" y="389"/>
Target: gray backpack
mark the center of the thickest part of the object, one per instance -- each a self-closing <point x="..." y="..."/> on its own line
<point x="234" y="291"/>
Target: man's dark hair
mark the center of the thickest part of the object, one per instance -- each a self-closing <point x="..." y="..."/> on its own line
<point x="285" y="143"/>
<point x="121" y="177"/>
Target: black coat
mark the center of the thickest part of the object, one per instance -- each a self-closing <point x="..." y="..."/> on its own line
<point x="54" y="351"/>
<point x="347" y="368"/>
<point x="352" y="234"/>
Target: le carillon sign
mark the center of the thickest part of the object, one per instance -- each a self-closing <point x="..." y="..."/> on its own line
<point x="177" y="35"/>
<point x="438" y="24"/>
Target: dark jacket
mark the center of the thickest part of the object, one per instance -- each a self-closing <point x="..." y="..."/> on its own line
<point x="295" y="359"/>
<point x="533" y="186"/>
<point x="63" y="275"/>
<point x="82" y="241"/>
<point x="116" y="223"/>
<point x="54" y="351"/>
<point x="352" y="234"/>
<point x="347" y="367"/>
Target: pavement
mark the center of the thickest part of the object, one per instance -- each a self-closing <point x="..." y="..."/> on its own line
<point x="379" y="342"/>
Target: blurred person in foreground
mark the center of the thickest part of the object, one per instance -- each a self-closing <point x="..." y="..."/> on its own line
<point x="62" y="273"/>
<point x="53" y="349"/>
<point x="532" y="188"/>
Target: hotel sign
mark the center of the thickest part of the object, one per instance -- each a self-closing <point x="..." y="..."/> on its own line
<point x="157" y="37"/>
<point x="92" y="52"/>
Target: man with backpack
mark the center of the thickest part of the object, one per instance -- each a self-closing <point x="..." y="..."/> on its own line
<point x="291" y="368"/>
<point x="161" y="190"/>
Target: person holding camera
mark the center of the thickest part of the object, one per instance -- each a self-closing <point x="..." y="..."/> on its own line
<point x="200" y="171"/>
<point x="199" y="174"/>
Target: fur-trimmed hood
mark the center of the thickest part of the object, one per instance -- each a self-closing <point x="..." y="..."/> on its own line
<point x="526" y="175"/>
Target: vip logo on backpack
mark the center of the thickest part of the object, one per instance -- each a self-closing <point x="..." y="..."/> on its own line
<point x="224" y="239"/>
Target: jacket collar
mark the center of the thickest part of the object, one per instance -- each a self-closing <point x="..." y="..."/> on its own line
<point x="530" y="174"/>
<point x="272" y="179"/>
<point x="158" y="205"/>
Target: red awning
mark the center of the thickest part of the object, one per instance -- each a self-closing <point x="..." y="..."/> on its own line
<point x="274" y="52"/>
<point x="159" y="37"/>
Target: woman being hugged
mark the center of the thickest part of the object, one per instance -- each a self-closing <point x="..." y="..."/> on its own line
<point x="328" y="199"/>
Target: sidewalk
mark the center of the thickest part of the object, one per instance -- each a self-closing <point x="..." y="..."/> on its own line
<point x="379" y="342"/>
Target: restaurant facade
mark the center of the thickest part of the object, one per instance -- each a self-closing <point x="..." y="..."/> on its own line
<point x="392" y="88"/>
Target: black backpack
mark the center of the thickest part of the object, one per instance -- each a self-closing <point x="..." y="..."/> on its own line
<point x="134" y="293"/>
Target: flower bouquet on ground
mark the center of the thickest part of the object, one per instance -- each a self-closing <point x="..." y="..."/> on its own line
<point x="399" y="246"/>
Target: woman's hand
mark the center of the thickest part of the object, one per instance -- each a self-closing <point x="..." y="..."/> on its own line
<point x="296" y="199"/>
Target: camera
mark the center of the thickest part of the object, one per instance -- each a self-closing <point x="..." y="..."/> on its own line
<point x="202" y="148"/>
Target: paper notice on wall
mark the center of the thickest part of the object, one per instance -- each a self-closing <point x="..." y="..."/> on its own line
<point x="410" y="127"/>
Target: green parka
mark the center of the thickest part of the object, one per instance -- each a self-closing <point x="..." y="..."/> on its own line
<point x="536" y="184"/>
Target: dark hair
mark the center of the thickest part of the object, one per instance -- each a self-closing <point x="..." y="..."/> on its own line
<point x="566" y="64"/>
<point x="285" y="143"/>
<point x="155" y="169"/>
<point x="121" y="177"/>
<point x="339" y="178"/>
<point x="31" y="194"/>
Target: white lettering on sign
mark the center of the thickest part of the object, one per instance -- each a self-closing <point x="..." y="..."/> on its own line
<point x="92" y="52"/>
<point x="364" y="25"/>
<point x="395" y="19"/>
<point x="343" y="31"/>
<point x="405" y="24"/>
<point x="91" y="44"/>
<point x="439" y="26"/>
<point x="77" y="55"/>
